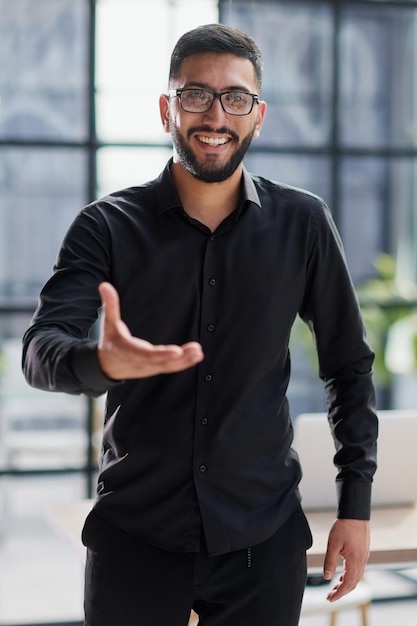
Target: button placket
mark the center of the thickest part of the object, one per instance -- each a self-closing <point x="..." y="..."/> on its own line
<point x="209" y="312"/>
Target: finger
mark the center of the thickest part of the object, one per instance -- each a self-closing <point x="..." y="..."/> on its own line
<point x="171" y="358"/>
<point x="192" y="354"/>
<point x="346" y="583"/>
<point x="167" y="358"/>
<point x="337" y="591"/>
<point x="161" y="351"/>
<point x="340" y="589"/>
<point x="193" y="350"/>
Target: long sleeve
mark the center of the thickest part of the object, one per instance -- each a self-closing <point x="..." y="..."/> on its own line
<point x="58" y="353"/>
<point x="332" y="311"/>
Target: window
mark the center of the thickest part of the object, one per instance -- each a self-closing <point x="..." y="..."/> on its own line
<point x="78" y="117"/>
<point x="133" y="46"/>
<point x="340" y="82"/>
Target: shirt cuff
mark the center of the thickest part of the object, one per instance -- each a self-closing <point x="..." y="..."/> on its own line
<point x="354" y="499"/>
<point x="86" y="368"/>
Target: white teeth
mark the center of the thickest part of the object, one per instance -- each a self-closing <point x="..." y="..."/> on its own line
<point x="218" y="141"/>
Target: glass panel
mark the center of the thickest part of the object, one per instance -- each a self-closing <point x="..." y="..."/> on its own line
<point x="402" y="220"/>
<point x="126" y="167"/>
<point x="41" y="576"/>
<point x="378" y="76"/>
<point x="133" y="47"/>
<point x="306" y="171"/>
<point x="364" y="211"/>
<point x="43" y="69"/>
<point x="379" y="209"/>
<point x="38" y="429"/>
<point x="41" y="190"/>
<point x="296" y="43"/>
<point x="305" y="390"/>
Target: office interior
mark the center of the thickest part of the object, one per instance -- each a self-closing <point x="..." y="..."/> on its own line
<point x="79" y="117"/>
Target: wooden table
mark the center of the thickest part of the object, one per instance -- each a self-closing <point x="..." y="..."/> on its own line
<point x="393" y="536"/>
<point x="393" y="532"/>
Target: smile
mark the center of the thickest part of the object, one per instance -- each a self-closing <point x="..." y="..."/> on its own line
<point x="212" y="141"/>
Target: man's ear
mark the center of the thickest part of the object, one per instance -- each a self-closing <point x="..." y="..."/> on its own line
<point x="260" y="118"/>
<point x="164" y="111"/>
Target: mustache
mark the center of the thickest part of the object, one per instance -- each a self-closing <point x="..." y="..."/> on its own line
<point x="207" y="129"/>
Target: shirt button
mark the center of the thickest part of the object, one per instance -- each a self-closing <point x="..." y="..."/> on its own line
<point x="202" y="468"/>
<point x="210" y="328"/>
<point x="204" y="421"/>
<point x="212" y="282"/>
<point x="213" y="237"/>
<point x="208" y="377"/>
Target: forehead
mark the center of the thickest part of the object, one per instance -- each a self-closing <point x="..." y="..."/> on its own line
<point x="217" y="71"/>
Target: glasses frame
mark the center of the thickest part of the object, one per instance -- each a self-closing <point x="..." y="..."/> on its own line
<point x="177" y="93"/>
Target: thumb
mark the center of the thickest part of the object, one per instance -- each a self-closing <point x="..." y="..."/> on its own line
<point x="330" y="563"/>
<point x="111" y="324"/>
<point x="111" y="303"/>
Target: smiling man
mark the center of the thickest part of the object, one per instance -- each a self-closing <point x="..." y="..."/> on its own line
<point x="201" y="274"/>
<point x="213" y="112"/>
<point x="223" y="146"/>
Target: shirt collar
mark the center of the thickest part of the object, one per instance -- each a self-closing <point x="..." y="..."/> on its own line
<point x="168" y="198"/>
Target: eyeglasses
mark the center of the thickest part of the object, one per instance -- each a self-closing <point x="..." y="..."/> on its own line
<point x="200" y="100"/>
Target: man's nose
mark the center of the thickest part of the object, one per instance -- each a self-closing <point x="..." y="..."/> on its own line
<point x="216" y="109"/>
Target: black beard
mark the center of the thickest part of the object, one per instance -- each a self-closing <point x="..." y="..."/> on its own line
<point x="209" y="172"/>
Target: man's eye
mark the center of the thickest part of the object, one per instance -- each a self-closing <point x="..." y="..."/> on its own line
<point x="236" y="97"/>
<point x="196" y="95"/>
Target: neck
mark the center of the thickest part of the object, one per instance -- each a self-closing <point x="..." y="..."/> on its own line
<point x="209" y="203"/>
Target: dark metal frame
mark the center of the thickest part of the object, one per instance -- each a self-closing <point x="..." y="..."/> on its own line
<point x="12" y="306"/>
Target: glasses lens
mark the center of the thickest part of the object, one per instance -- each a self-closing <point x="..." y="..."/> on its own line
<point x="237" y="102"/>
<point x="196" y="100"/>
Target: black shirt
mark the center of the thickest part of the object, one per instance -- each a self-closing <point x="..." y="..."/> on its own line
<point x="211" y="446"/>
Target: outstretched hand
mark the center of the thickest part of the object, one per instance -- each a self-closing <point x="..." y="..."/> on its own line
<point x="122" y="356"/>
<point x="349" y="539"/>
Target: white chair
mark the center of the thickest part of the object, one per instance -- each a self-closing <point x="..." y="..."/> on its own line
<point x="315" y="603"/>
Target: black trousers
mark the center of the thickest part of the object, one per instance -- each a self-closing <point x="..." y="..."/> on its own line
<point x="131" y="583"/>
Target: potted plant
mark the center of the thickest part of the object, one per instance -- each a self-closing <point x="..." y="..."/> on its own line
<point x="389" y="307"/>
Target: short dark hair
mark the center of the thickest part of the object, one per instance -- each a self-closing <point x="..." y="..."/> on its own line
<point x="216" y="38"/>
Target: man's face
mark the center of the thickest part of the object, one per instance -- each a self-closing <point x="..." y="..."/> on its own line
<point x="211" y="145"/>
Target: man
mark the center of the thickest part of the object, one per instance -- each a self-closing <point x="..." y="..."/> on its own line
<point x="201" y="274"/>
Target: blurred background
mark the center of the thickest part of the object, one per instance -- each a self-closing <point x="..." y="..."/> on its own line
<point x="79" y="116"/>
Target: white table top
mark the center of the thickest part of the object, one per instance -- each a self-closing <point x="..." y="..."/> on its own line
<point x="393" y="532"/>
<point x="393" y="536"/>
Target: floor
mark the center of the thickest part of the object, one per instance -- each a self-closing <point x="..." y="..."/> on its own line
<point x="41" y="577"/>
